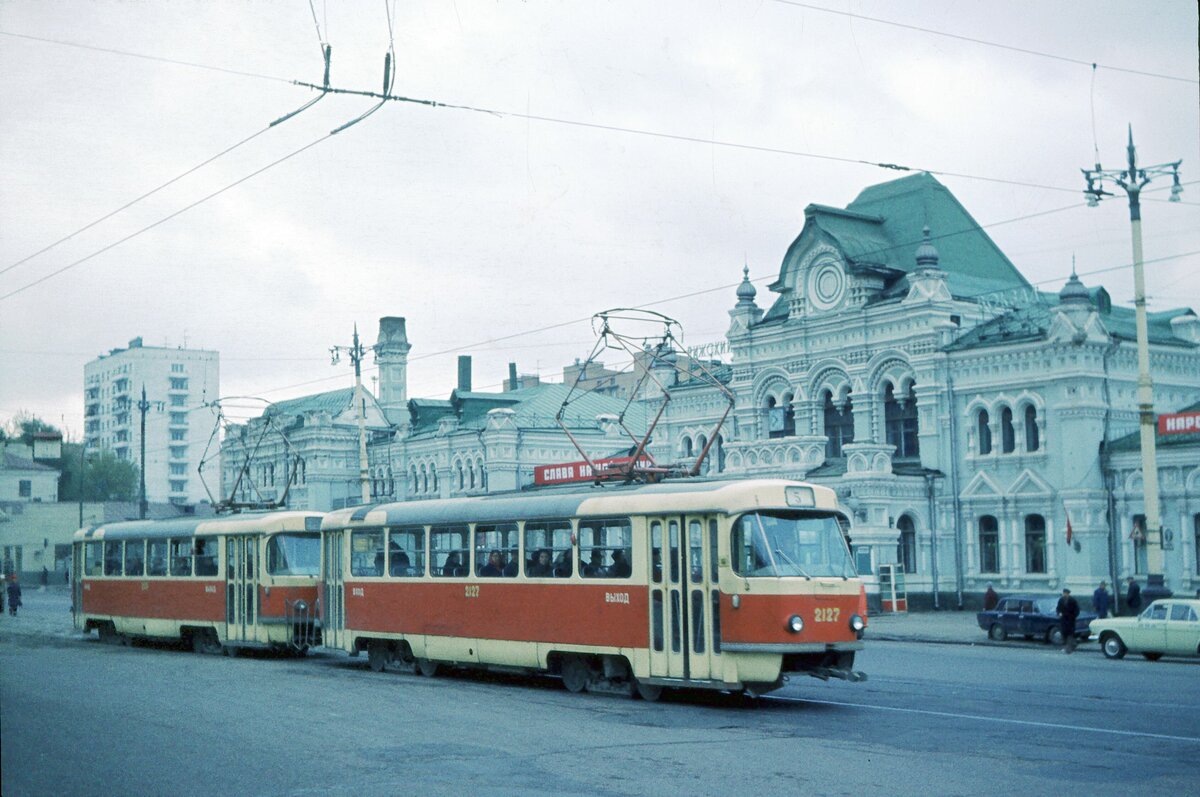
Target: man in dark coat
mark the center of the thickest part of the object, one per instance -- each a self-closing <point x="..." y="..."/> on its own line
<point x="1101" y="600"/>
<point x="14" y="595"/>
<point x="1068" y="613"/>
<point x="1133" y="598"/>
<point x="990" y="598"/>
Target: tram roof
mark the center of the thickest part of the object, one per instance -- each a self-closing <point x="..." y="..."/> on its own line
<point x="700" y="495"/>
<point x="242" y="523"/>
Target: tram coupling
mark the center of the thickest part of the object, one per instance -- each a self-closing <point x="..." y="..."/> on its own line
<point x="825" y="673"/>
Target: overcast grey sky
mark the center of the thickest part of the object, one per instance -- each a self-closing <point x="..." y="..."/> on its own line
<point x="480" y="225"/>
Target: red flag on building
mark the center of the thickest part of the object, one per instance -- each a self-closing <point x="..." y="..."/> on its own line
<point x="1069" y="534"/>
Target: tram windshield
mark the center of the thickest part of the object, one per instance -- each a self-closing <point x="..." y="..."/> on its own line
<point x="783" y="543"/>
<point x="294" y="555"/>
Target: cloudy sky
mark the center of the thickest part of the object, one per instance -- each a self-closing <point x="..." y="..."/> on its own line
<point x="611" y="154"/>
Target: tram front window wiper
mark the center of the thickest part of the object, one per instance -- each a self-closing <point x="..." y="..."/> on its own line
<point x="792" y="562"/>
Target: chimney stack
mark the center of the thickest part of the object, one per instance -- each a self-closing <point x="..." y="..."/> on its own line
<point x="512" y="376"/>
<point x="464" y="373"/>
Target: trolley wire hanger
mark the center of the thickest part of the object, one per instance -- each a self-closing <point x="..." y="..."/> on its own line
<point x="652" y="342"/>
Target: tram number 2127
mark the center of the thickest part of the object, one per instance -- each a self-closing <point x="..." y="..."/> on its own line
<point x="827" y="614"/>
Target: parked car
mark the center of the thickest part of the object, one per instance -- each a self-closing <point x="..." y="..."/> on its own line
<point x="1167" y="627"/>
<point x="1031" y="616"/>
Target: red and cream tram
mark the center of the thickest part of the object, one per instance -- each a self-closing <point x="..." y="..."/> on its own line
<point x="219" y="583"/>
<point x="731" y="585"/>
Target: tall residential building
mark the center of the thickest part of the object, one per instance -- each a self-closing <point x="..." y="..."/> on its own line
<point x="178" y="382"/>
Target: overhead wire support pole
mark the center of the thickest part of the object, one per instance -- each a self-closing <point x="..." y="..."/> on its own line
<point x="356" y="352"/>
<point x="1133" y="179"/>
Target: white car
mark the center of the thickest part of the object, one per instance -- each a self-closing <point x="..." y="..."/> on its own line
<point x="1168" y="627"/>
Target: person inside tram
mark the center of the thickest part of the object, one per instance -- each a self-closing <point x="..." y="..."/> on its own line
<point x="511" y="567"/>
<point x="400" y="563"/>
<point x="620" y="567"/>
<point x="595" y="567"/>
<point x="206" y="560"/>
<point x="494" y="567"/>
<point x="453" y="566"/>
<point x="563" y="565"/>
<point x="541" y="565"/>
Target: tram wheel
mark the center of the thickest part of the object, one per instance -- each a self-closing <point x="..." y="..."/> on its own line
<point x="575" y="673"/>
<point x="204" y="641"/>
<point x="377" y="656"/>
<point x="649" y="692"/>
<point x="108" y="635"/>
<point x="425" y="667"/>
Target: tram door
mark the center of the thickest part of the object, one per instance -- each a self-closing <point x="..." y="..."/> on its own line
<point x="684" y="618"/>
<point x="334" y="619"/>
<point x="241" y="588"/>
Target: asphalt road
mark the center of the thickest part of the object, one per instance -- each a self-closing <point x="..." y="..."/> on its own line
<point x="79" y="718"/>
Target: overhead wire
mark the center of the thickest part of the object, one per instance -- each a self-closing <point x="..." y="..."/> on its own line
<point x="984" y="42"/>
<point x="165" y="219"/>
<point x="160" y="59"/>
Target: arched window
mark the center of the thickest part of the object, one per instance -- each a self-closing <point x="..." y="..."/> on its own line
<point x="1035" y="544"/>
<point x="789" y="416"/>
<point x="687" y="447"/>
<point x="424" y="480"/>
<point x="719" y="451"/>
<point x="433" y="478"/>
<point x="471" y="471"/>
<point x="706" y="466"/>
<point x="985" y="432"/>
<point x="989" y="545"/>
<point x="900" y="422"/>
<point x="461" y="477"/>
<point x="839" y="426"/>
<point x="1008" y="438"/>
<point x="907" y="552"/>
<point x="482" y="476"/>
<point x="1031" y="428"/>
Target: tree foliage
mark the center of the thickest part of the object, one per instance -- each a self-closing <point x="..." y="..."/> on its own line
<point x="105" y="477"/>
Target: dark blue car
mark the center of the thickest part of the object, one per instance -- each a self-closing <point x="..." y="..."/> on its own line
<point x="1030" y="616"/>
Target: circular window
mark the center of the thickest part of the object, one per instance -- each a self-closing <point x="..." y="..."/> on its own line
<point x="826" y="283"/>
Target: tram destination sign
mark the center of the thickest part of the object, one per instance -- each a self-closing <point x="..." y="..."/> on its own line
<point x="1179" y="422"/>
<point x="566" y="472"/>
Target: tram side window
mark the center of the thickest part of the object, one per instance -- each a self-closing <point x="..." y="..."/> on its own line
<point x="366" y="553"/>
<point x="93" y="559"/>
<point x="112" y="558"/>
<point x="605" y="548"/>
<point x="406" y="552"/>
<point x="449" y="555"/>
<point x="206" y="557"/>
<point x="656" y="544"/>
<point x="156" y="561"/>
<point x="135" y="557"/>
<point x="548" y="549"/>
<point x="181" y="557"/>
<point x="496" y="554"/>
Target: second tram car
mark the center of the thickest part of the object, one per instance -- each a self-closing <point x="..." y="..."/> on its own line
<point x="222" y="583"/>
<point x="731" y="585"/>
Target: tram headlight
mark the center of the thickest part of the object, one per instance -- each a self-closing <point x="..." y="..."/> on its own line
<point x="795" y="624"/>
<point x="301" y="606"/>
<point x="856" y="623"/>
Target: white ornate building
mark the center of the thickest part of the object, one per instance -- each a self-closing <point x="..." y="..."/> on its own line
<point x="959" y="413"/>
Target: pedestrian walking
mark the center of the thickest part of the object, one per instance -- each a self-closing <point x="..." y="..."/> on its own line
<point x="45" y="576"/>
<point x="14" y="595"/>
<point x="1101" y="600"/>
<point x="1133" y="597"/>
<point x="990" y="598"/>
<point x="1068" y="613"/>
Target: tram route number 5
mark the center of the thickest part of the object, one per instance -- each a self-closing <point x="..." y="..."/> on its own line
<point x="472" y="590"/>
<point x="827" y="614"/>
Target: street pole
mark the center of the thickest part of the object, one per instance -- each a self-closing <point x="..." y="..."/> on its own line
<point x="1133" y="179"/>
<point x="142" y="406"/>
<point x="356" y="353"/>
